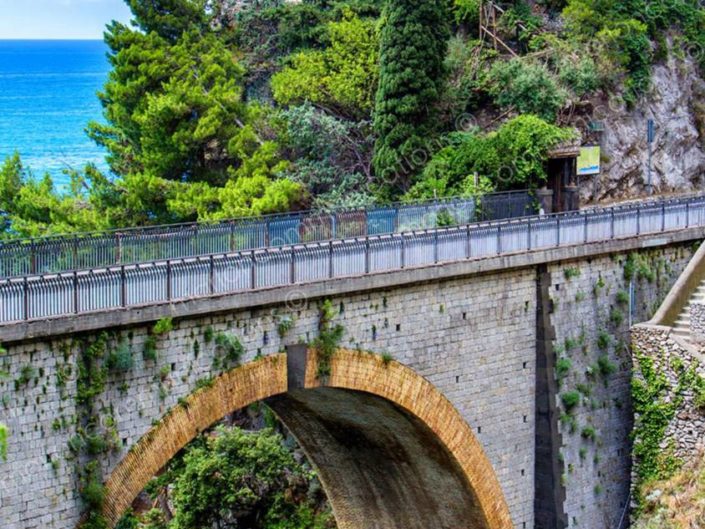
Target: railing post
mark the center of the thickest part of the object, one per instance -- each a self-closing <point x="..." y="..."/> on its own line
<point x="663" y="215"/>
<point x="211" y="275"/>
<point x="330" y="256"/>
<point x="367" y="255"/>
<point x="587" y="228"/>
<point x="33" y="258"/>
<point x="468" y="247"/>
<point x="74" y="251"/>
<point x="75" y="292"/>
<point x="638" y="220"/>
<point x="558" y="231"/>
<point x="687" y="215"/>
<point x="612" y="224"/>
<point x="25" y="299"/>
<point x="232" y="236"/>
<point x="435" y="247"/>
<point x="253" y="277"/>
<point x="168" y="280"/>
<point x="403" y="251"/>
<point x="123" y="287"/>
<point x="194" y="249"/>
<point x="528" y="234"/>
<point x="118" y="248"/>
<point x="292" y="268"/>
<point x="499" y="239"/>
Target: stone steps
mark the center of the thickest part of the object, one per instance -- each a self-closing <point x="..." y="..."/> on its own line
<point x="681" y="327"/>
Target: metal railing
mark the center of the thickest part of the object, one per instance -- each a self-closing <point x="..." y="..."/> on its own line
<point x="130" y="246"/>
<point x="100" y="289"/>
<point x="625" y="512"/>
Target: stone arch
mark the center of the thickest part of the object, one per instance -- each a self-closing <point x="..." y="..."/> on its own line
<point x="407" y="420"/>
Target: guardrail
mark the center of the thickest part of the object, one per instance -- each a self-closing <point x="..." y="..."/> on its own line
<point x="130" y="246"/>
<point x="78" y="292"/>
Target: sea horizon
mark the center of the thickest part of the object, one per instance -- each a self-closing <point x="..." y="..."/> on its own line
<point x="48" y="95"/>
<point x="49" y="40"/>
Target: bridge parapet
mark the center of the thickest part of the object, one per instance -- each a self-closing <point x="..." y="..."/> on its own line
<point x="468" y="327"/>
<point x="147" y="244"/>
<point x="163" y="282"/>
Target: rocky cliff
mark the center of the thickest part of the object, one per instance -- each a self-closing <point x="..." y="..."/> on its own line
<point x="677" y="104"/>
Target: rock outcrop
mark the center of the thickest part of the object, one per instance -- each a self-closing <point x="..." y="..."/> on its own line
<point x="677" y="104"/>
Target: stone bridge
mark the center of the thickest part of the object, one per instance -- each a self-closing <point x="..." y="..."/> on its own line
<point x="444" y="403"/>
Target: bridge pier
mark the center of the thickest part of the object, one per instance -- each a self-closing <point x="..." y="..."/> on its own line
<point x="548" y="467"/>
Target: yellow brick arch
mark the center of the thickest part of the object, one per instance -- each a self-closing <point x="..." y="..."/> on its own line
<point x="264" y="378"/>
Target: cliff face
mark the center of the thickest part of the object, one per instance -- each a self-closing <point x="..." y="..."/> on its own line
<point x="677" y="104"/>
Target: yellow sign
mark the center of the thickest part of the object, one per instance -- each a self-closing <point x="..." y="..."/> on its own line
<point x="589" y="160"/>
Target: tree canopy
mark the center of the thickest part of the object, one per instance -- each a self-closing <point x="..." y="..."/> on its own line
<point x="237" y="479"/>
<point x="216" y="108"/>
<point x="413" y="45"/>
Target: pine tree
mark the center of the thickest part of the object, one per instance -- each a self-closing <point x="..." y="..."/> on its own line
<point x="413" y="45"/>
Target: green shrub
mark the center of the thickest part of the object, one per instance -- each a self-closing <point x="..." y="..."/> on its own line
<point x="571" y="273"/>
<point x="207" y="382"/>
<point x="623" y="297"/>
<point x="570" y="400"/>
<point x="149" y="352"/>
<point x="563" y="367"/>
<point x="527" y="87"/>
<point x="230" y="346"/>
<point x="699" y="394"/>
<point x="4" y="435"/>
<point x="328" y="338"/>
<point x="584" y="389"/>
<point x="604" y="340"/>
<point x="605" y="366"/>
<point x="616" y="317"/>
<point x="208" y="334"/>
<point x="570" y="422"/>
<point x="128" y="521"/>
<point x="27" y="373"/>
<point x="387" y="359"/>
<point x="598" y="286"/>
<point x="92" y="490"/>
<point x="95" y="444"/>
<point x="120" y="359"/>
<point x="163" y="326"/>
<point x="285" y="324"/>
<point x="580" y="76"/>
<point x="588" y="432"/>
<point x="638" y="267"/>
<point x="466" y="11"/>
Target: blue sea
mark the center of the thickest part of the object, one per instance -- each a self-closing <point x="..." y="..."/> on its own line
<point x="47" y="97"/>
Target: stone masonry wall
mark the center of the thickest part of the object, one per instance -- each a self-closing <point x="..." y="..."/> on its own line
<point x="684" y="437"/>
<point x="474" y="338"/>
<point x="697" y="323"/>
<point x="591" y="322"/>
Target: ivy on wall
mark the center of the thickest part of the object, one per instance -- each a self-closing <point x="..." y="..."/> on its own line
<point x="4" y="434"/>
<point x="654" y="411"/>
<point x="329" y="337"/>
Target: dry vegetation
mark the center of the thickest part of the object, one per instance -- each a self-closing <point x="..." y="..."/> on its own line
<point x="678" y="503"/>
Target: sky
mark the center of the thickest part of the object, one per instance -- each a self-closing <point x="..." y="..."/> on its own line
<point x="59" y="19"/>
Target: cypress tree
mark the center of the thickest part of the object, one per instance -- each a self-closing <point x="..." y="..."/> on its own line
<point x="414" y="42"/>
